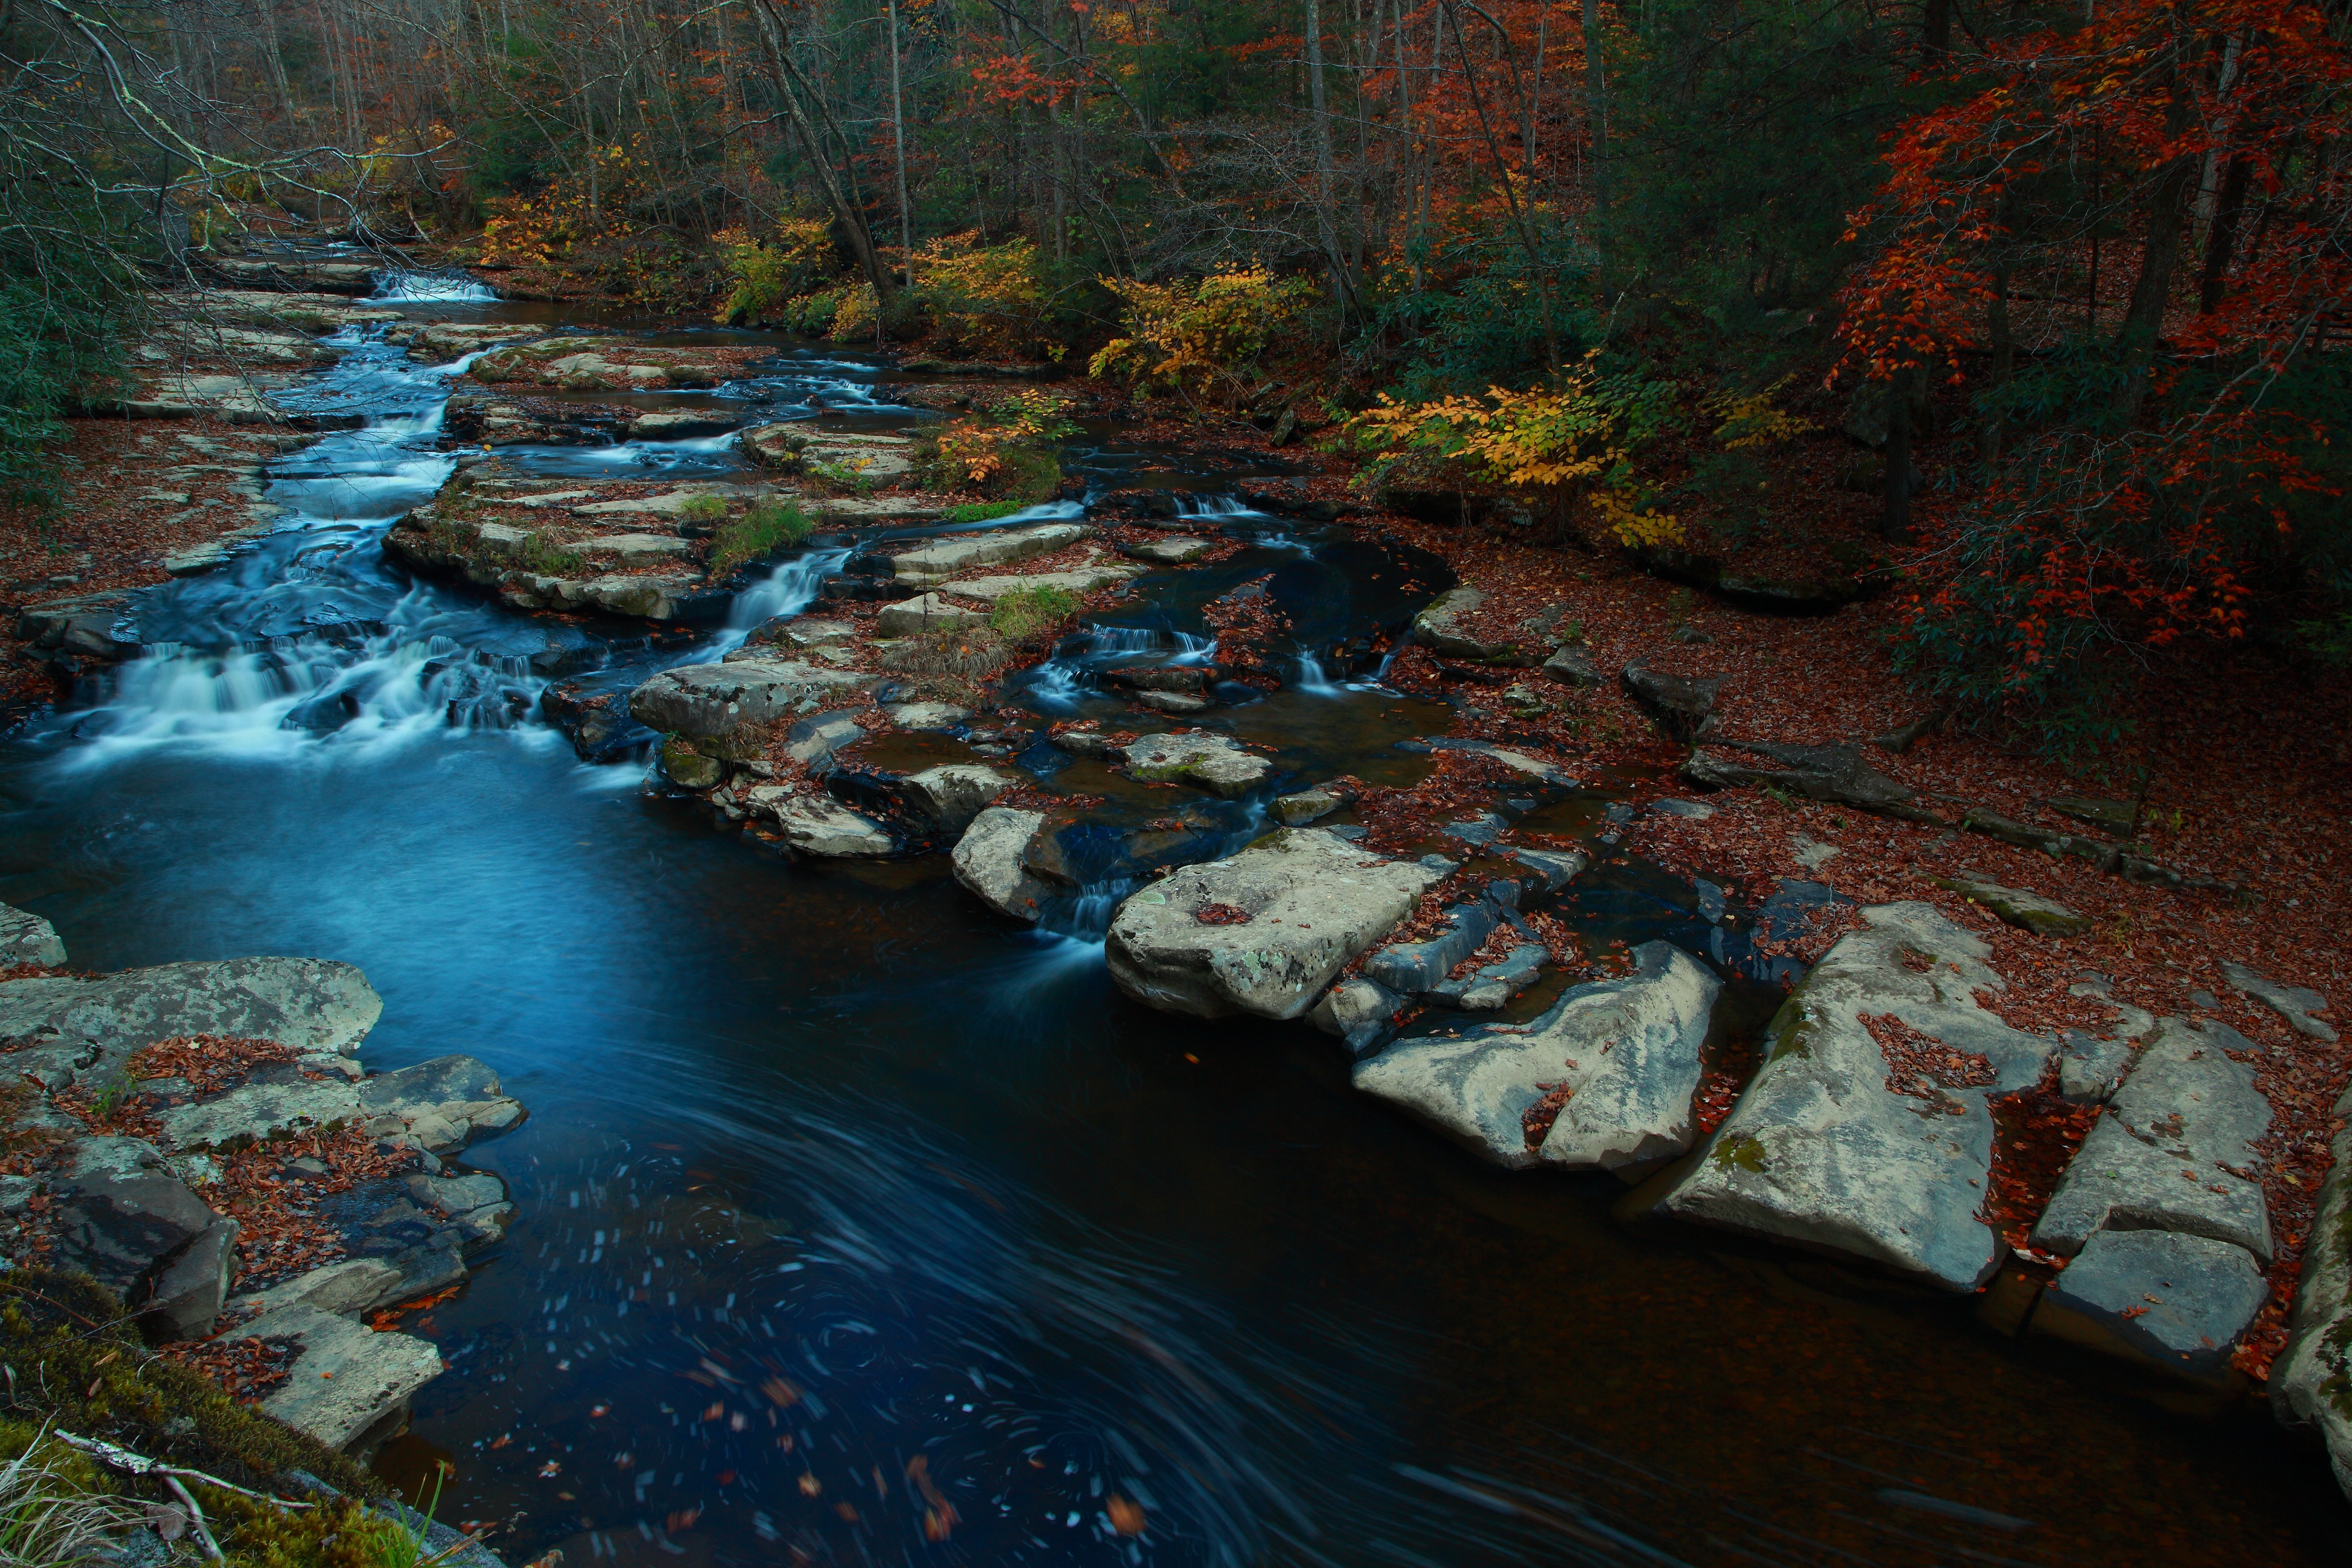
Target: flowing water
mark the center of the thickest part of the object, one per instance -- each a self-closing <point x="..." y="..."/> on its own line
<point x="842" y="1205"/>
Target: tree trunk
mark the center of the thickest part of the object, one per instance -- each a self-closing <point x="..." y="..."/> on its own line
<point x="791" y="87"/>
<point x="2221" y="238"/>
<point x="1324" y="232"/>
<point x="1596" y="115"/>
<point x="2166" y="215"/>
<point x="1894" y="525"/>
<point x="898" y="148"/>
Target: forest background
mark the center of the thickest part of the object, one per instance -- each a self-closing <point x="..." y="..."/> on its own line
<point x="2059" y="290"/>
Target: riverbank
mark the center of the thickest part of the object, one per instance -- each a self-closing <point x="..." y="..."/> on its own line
<point x="1193" y="701"/>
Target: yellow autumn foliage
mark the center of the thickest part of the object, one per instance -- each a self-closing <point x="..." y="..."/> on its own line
<point x="1200" y="337"/>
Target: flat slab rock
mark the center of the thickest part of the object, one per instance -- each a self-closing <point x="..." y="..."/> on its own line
<point x="932" y="563"/>
<point x="1625" y="1052"/>
<point x="1823" y="1152"/>
<point x="441" y="1105"/>
<point x="349" y="1385"/>
<point x="1218" y="763"/>
<point x="1287" y="914"/>
<point x="2025" y="911"/>
<point x="2168" y="1153"/>
<point x="730" y="705"/>
<point x="2311" y="1382"/>
<point x="1833" y="773"/>
<point x="2176" y="1302"/>
<point x="2296" y="1003"/>
<point x="67" y="1025"/>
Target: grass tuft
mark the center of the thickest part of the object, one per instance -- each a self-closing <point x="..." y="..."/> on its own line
<point x="1021" y="614"/>
<point x="766" y="528"/>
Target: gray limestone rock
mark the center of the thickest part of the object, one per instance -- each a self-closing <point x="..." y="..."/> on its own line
<point x="1572" y="665"/>
<point x="2174" y="1151"/>
<point x="936" y="560"/>
<point x="681" y="424"/>
<point x="725" y="708"/>
<point x="1361" y="1012"/>
<point x="926" y="715"/>
<point x="815" y="825"/>
<point x="453" y="1195"/>
<point x="1557" y="868"/>
<point x="2179" y="1302"/>
<point x="1298" y="810"/>
<point x="1683" y="705"/>
<point x="1492" y="986"/>
<point x="1217" y="764"/>
<point x="356" y="1285"/>
<point x="119" y="1215"/>
<point x="1176" y="550"/>
<point x="1414" y="967"/>
<point x="988" y="862"/>
<point x="2027" y="911"/>
<point x="275" y="1098"/>
<point x="349" y="1385"/>
<point x="924" y="613"/>
<point x="1823" y="1151"/>
<point x="1618" y="1059"/>
<point x="1442" y="627"/>
<point x="2090" y="1067"/>
<point x="27" y="938"/>
<point x="2296" y="1003"/>
<point x="953" y="793"/>
<point x="1835" y="772"/>
<point x="1285" y="916"/>
<point x="79" y="1025"/>
<point x="189" y="1288"/>
<point x="2311" y="1382"/>
<point x="814" y="740"/>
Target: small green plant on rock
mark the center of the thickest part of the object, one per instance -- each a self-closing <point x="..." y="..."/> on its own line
<point x="1025" y="612"/>
<point x="848" y="476"/>
<point x="983" y="510"/>
<point x="548" y="558"/>
<point x="710" y="510"/>
<point x="767" y="527"/>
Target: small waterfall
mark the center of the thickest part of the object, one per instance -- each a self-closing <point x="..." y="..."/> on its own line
<point x="1062" y="681"/>
<point x="790" y="587"/>
<point x="395" y="286"/>
<point x="1312" y="679"/>
<point x="1085" y="915"/>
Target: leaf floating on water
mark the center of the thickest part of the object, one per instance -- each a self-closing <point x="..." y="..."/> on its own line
<point x="1126" y="1516"/>
<point x="810" y="1486"/>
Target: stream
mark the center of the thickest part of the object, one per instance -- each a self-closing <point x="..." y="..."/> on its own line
<point x="857" y="1227"/>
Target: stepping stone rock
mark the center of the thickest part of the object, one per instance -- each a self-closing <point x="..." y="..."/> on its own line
<point x="1284" y="917"/>
<point x="2179" y="1302"/>
<point x="2181" y="1126"/>
<point x="814" y="738"/>
<point x="926" y="715"/>
<point x="1174" y="701"/>
<point x="821" y="828"/>
<point x="1414" y="968"/>
<point x="988" y="862"/>
<point x="1824" y="1151"/>
<point x="1217" y="764"/>
<point x="2296" y="1003"/>
<point x="27" y="938"/>
<point x="1683" y="705"/>
<point x="925" y="612"/>
<point x="1177" y="550"/>
<point x="1618" y="1058"/>
<point x="954" y="794"/>
<point x="802" y="632"/>
<point x="1491" y="986"/>
<point x="726" y="709"/>
<point x="1822" y="773"/>
<point x="1305" y="807"/>
<point x="351" y="1386"/>
<point x="680" y="425"/>
<point x="773" y="445"/>
<point x="637" y="549"/>
<point x="2027" y="911"/>
<point x="1080" y="580"/>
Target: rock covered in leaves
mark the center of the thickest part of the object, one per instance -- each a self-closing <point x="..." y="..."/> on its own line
<point x="1263" y="932"/>
<point x="1683" y="705"/>
<point x="1833" y="773"/>
<point x="1867" y="1130"/>
<point x="1603" y="1078"/>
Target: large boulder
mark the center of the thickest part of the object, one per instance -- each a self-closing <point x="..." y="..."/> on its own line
<point x="1605" y="1078"/>
<point x="1840" y="1147"/>
<point x="2311" y="1381"/>
<point x="988" y="862"/>
<point x="1262" y="933"/>
<point x="2176" y="1149"/>
<point x="819" y="827"/>
<point x="27" y="938"/>
<point x="2176" y="1302"/>
<point x="726" y="709"/>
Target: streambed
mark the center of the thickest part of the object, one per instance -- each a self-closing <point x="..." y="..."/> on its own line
<point x="829" y="1171"/>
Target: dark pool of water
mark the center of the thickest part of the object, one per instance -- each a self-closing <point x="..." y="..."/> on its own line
<point x="836" y="1188"/>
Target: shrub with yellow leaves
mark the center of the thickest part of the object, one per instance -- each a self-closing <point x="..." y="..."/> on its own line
<point x="769" y="279"/>
<point x="993" y="302"/>
<point x="1200" y="339"/>
<point x="1006" y="449"/>
<point x="1575" y="440"/>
